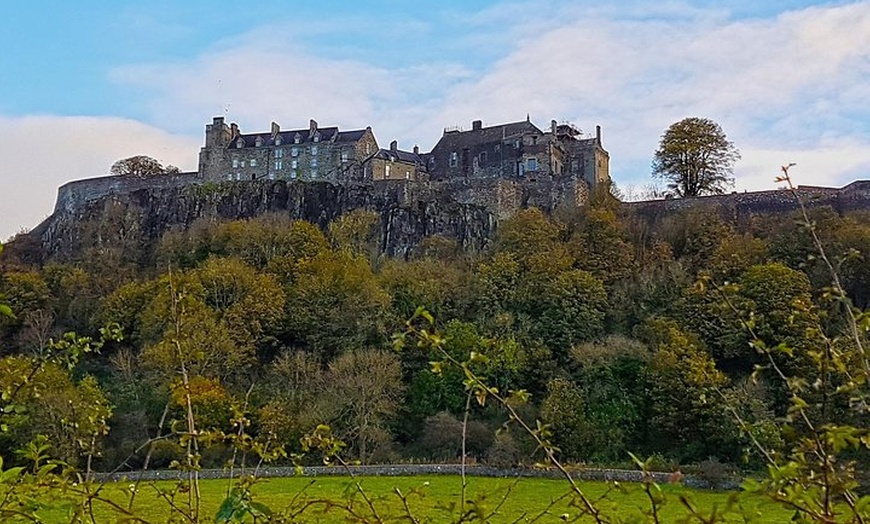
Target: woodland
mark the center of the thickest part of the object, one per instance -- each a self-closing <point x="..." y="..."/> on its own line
<point x="695" y="343"/>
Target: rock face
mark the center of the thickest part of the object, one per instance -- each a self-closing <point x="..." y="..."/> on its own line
<point x="118" y="212"/>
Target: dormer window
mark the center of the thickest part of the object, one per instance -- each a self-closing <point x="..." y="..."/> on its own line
<point x="240" y="142"/>
<point x="297" y="138"/>
<point x="317" y="137"/>
<point x="278" y="140"/>
<point x="259" y="141"/>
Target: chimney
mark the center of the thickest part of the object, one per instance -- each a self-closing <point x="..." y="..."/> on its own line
<point x="598" y="134"/>
<point x="312" y="126"/>
<point x="394" y="146"/>
<point x="218" y="121"/>
<point x="553" y="127"/>
<point x="477" y="125"/>
<point x="416" y="149"/>
<point x="234" y="130"/>
<point x="275" y="130"/>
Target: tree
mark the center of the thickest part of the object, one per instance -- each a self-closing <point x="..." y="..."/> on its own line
<point x="141" y="166"/>
<point x="695" y="157"/>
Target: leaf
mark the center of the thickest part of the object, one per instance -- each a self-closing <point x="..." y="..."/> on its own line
<point x="6" y="311"/>
<point x="225" y="512"/>
<point x="260" y="510"/>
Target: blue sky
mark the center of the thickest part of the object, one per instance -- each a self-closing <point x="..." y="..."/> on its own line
<point x="90" y="81"/>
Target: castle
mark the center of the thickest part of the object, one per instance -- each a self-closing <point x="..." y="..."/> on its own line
<point x="517" y="151"/>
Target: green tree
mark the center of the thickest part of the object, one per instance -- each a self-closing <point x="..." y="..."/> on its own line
<point x="695" y="158"/>
<point x="563" y="409"/>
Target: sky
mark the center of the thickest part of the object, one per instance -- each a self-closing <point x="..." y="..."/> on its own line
<point x="88" y="82"/>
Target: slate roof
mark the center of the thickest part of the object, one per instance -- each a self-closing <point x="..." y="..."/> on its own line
<point x="401" y="156"/>
<point x="497" y="133"/>
<point x="287" y="137"/>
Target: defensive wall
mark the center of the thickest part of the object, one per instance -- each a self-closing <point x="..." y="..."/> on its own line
<point x="739" y="206"/>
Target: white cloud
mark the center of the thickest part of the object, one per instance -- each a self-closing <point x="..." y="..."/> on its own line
<point x="41" y="153"/>
<point x="786" y="87"/>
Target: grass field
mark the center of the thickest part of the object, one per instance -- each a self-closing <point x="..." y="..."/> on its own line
<point x="435" y="499"/>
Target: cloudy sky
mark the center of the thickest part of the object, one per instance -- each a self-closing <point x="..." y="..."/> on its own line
<point x="87" y="82"/>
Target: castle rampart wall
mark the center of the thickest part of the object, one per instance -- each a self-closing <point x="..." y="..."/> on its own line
<point x="72" y="194"/>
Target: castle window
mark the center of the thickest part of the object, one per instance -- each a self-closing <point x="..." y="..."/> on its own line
<point x="294" y="151"/>
<point x="278" y="140"/>
<point x="387" y="171"/>
<point x="532" y="164"/>
<point x="454" y="159"/>
<point x="229" y="176"/>
<point x="240" y="143"/>
<point x="259" y="141"/>
<point x="317" y="137"/>
<point x="279" y="153"/>
<point x="517" y="144"/>
<point x="253" y="162"/>
<point x="271" y="176"/>
<point x="407" y="175"/>
<point x="368" y="148"/>
<point x="279" y="164"/>
<point x="294" y="164"/>
<point x="235" y="162"/>
<point x="313" y="162"/>
<point x="242" y="164"/>
<point x="313" y="173"/>
<point x="297" y="138"/>
<point x="482" y="159"/>
<point x="313" y="150"/>
<point x="344" y="156"/>
<point x="293" y="174"/>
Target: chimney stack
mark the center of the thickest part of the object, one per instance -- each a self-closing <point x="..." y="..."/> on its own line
<point x="312" y="126"/>
<point x="394" y="146"/>
<point x="598" y="134"/>
<point x="477" y="125"/>
<point x="234" y="130"/>
<point x="553" y="127"/>
<point x="416" y="150"/>
<point x="275" y="130"/>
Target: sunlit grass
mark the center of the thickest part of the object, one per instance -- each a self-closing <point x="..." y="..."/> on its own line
<point x="437" y="499"/>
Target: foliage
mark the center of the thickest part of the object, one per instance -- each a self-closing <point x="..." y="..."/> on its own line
<point x="141" y="166"/>
<point x="695" y="158"/>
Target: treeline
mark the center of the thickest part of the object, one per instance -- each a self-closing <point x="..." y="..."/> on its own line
<point x="629" y="335"/>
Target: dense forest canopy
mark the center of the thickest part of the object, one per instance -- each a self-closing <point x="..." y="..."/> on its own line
<point x="629" y="335"/>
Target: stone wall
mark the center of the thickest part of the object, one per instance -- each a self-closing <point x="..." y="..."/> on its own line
<point x="739" y="206"/>
<point x="78" y="192"/>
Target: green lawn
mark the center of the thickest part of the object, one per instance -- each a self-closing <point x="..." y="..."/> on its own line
<point x="435" y="499"/>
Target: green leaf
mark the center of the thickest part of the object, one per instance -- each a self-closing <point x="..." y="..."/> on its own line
<point x="225" y="512"/>
<point x="6" y="311"/>
<point x="260" y="510"/>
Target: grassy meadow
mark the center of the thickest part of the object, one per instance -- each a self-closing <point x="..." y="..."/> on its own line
<point x="436" y="499"/>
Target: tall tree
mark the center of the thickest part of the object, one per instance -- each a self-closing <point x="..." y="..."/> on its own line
<point x="695" y="158"/>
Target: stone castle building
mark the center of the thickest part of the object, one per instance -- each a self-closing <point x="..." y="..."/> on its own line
<point x="517" y="151"/>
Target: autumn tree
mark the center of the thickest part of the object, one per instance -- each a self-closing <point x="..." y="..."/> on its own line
<point x="695" y="158"/>
<point x="141" y="166"/>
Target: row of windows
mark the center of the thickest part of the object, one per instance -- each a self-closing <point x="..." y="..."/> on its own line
<point x="294" y="152"/>
<point x="312" y="173"/>
<point x="259" y="141"/>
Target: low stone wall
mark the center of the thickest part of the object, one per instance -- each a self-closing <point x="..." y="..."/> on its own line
<point x="408" y="470"/>
<point x="75" y="193"/>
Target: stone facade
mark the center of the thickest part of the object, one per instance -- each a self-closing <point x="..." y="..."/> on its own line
<point x="300" y="154"/>
<point x="395" y="164"/>
<point x="520" y="151"/>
